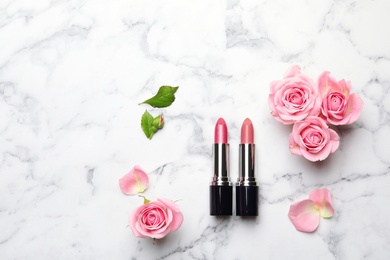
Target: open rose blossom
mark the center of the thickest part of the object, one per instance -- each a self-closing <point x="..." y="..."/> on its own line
<point x="339" y="106"/>
<point x="155" y="219"/>
<point x="313" y="139"/>
<point x="294" y="98"/>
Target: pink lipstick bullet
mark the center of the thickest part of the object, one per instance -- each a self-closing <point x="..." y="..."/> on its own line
<point x="247" y="191"/>
<point x="221" y="190"/>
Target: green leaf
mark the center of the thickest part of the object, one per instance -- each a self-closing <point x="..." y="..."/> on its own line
<point x="164" y="97"/>
<point x="151" y="125"/>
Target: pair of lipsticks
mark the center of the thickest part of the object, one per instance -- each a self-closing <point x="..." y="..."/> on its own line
<point x="221" y="187"/>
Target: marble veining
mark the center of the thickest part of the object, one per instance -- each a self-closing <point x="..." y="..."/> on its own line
<point x="73" y="72"/>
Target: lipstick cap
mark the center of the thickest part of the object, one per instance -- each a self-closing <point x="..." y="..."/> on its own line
<point x="247" y="198"/>
<point x="221" y="200"/>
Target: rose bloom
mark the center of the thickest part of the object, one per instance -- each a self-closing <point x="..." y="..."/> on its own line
<point x="339" y="106"/>
<point x="294" y="98"/>
<point x="155" y="219"/>
<point x="313" y="139"/>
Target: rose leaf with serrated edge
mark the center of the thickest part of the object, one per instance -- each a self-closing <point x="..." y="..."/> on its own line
<point x="164" y="97"/>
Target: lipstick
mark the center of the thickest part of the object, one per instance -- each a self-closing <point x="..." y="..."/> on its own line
<point x="221" y="190"/>
<point x="247" y="191"/>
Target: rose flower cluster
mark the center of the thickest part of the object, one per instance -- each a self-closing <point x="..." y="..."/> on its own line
<point x="311" y="108"/>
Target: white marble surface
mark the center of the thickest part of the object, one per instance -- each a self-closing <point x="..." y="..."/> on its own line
<point x="73" y="71"/>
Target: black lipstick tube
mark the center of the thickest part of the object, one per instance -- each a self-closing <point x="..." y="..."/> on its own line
<point x="247" y="191"/>
<point x="221" y="190"/>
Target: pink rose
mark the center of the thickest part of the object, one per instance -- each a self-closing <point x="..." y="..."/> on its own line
<point x="294" y="98"/>
<point x="339" y="107"/>
<point x="155" y="219"/>
<point x="313" y="139"/>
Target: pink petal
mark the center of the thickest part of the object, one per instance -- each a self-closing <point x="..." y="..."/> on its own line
<point x="354" y="107"/>
<point x="334" y="139"/>
<point x="134" y="182"/>
<point x="293" y="71"/>
<point x="294" y="147"/>
<point x="316" y="110"/>
<point x="133" y="219"/>
<point x="274" y="86"/>
<point x="304" y="215"/>
<point x="345" y="86"/>
<point x="322" y="198"/>
<point x="328" y="84"/>
<point x="323" y="83"/>
<point x="177" y="218"/>
<point x="319" y="156"/>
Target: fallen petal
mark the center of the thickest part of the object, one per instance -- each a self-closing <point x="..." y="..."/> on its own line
<point x="304" y="215"/>
<point x="134" y="182"/>
<point x="322" y="198"/>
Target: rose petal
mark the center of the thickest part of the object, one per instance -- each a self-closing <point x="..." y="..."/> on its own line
<point x="292" y="71"/>
<point x="294" y="147"/>
<point x="334" y="139"/>
<point x="134" y="182"/>
<point x="274" y="85"/>
<point x="133" y="220"/>
<point x="329" y="84"/>
<point x="304" y="216"/>
<point x="322" y="198"/>
<point x="346" y="86"/>
<point x="354" y="107"/>
<point x="323" y="83"/>
<point x="177" y="218"/>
